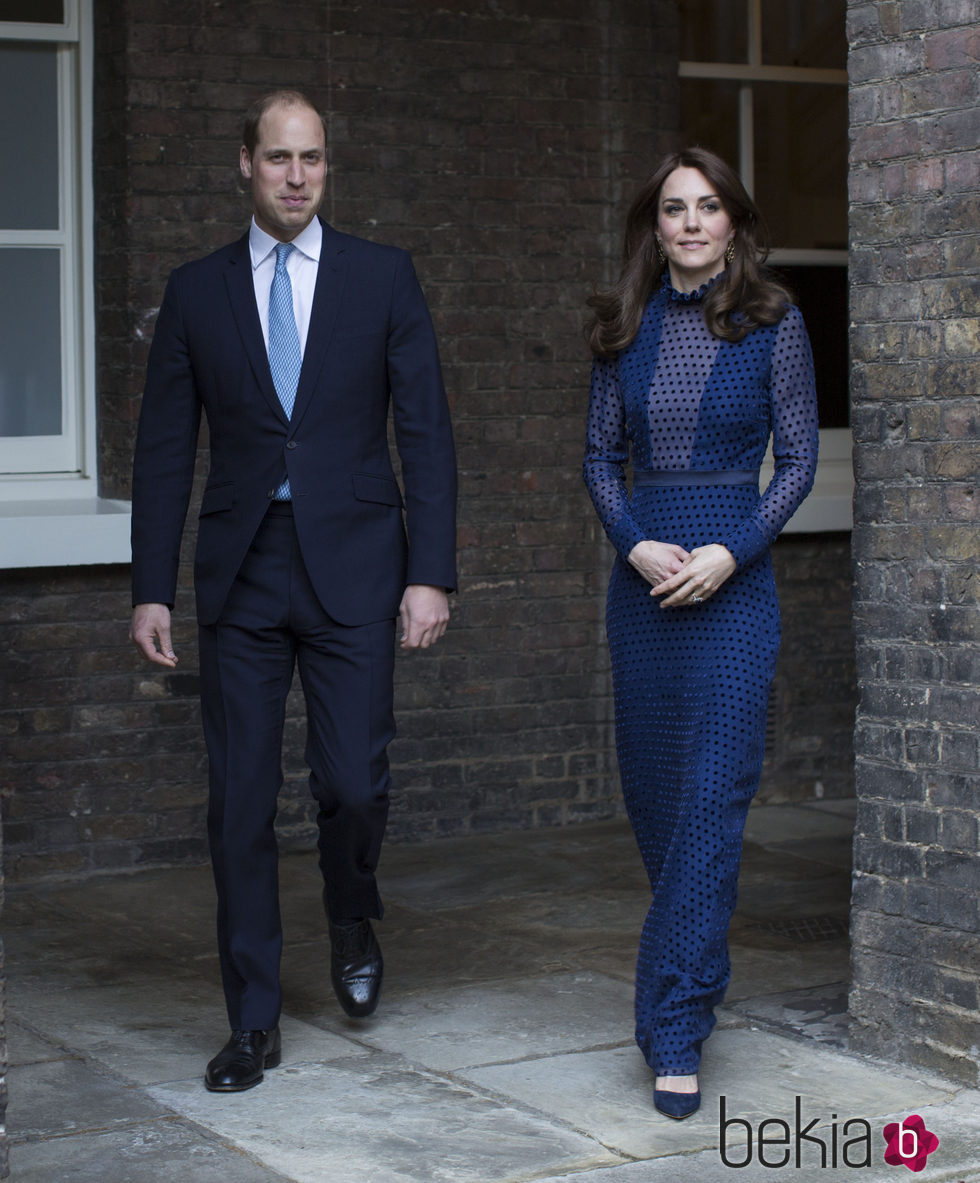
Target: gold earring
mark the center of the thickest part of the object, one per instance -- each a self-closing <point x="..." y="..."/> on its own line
<point x="661" y="257"/>
<point x="730" y="252"/>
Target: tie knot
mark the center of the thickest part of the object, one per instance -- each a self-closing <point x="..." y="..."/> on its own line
<point x="283" y="250"/>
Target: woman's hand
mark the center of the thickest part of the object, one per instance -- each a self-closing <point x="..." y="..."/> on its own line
<point x="657" y="561"/>
<point x="703" y="572"/>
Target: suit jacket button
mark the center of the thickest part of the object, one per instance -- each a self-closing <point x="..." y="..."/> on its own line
<point x="291" y="444"/>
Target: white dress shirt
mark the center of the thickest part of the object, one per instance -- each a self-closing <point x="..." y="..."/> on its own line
<point x="302" y="264"/>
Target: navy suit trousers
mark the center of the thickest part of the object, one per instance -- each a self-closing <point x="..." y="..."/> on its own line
<point x="272" y="621"/>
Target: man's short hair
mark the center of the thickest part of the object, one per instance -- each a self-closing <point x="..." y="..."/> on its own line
<point x="276" y="98"/>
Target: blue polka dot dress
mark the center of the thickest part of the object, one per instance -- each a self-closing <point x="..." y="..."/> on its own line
<point x="691" y="683"/>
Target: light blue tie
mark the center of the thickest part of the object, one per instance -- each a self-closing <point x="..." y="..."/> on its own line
<point x="285" y="358"/>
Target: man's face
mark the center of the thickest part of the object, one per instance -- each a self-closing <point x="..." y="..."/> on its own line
<point x="287" y="170"/>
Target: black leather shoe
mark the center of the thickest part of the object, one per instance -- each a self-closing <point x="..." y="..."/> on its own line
<point x="356" y="967"/>
<point x="240" y="1063"/>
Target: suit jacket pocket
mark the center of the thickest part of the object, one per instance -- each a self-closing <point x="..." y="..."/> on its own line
<point x="368" y="486"/>
<point x="218" y="498"/>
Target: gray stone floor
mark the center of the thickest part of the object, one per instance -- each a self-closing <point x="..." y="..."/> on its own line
<point x="502" y="1050"/>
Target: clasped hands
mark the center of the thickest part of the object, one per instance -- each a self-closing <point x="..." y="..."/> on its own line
<point x="685" y="578"/>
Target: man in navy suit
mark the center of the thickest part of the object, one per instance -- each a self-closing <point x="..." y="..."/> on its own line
<point x="295" y="340"/>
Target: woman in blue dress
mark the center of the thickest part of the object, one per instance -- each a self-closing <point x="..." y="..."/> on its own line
<point x="699" y="358"/>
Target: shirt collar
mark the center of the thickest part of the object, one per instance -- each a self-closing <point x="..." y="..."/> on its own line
<point x="261" y="245"/>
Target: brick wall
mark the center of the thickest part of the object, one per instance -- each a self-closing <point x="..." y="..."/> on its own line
<point x="811" y="709"/>
<point x="914" y="188"/>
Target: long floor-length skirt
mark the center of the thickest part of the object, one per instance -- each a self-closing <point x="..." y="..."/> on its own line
<point x="691" y="689"/>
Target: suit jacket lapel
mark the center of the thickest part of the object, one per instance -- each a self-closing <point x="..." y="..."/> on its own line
<point x="241" y="293"/>
<point x="328" y="295"/>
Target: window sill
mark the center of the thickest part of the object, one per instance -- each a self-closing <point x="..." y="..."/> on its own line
<point x="63" y="532"/>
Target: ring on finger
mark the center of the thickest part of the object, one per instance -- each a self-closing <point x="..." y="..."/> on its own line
<point x="697" y="599"/>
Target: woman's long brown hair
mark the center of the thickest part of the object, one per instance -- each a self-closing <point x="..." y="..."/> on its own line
<point x="744" y="296"/>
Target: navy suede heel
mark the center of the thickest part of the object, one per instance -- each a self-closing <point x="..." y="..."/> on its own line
<point x="676" y="1105"/>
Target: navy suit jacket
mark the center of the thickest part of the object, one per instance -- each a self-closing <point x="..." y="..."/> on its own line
<point x="370" y="346"/>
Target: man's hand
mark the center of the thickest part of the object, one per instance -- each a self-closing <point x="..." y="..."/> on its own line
<point x="424" y="612"/>
<point x="150" y="633"/>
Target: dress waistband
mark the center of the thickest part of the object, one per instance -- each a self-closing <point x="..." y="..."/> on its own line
<point x="694" y="476"/>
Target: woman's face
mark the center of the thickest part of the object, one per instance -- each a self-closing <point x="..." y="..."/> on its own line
<point x="693" y="229"/>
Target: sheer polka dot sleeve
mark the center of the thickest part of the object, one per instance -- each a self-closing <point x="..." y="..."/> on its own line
<point x="795" y="438"/>
<point x="606" y="453"/>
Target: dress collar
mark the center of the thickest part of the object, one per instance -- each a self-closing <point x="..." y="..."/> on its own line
<point x="692" y="297"/>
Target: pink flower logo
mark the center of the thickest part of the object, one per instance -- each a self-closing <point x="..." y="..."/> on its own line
<point x="909" y="1143"/>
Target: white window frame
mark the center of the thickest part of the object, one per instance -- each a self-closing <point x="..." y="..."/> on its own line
<point x="829" y="506"/>
<point x="30" y="455"/>
<point x="56" y="518"/>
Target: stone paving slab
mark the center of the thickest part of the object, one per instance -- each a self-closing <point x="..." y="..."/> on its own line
<point x="767" y="824"/>
<point x="613" y="956"/>
<point x="142" y="907"/>
<point x="380" y="1121"/>
<point x="40" y="953"/>
<point x="26" y="1047"/>
<point x="577" y="930"/>
<point x="818" y="1012"/>
<point x="66" y="1096"/>
<point x="544" y="1016"/>
<point x="708" y="1168"/>
<point x="597" y="932"/>
<point x="574" y="915"/>
<point x="786" y="970"/>
<point x="415" y="960"/>
<point x="464" y="872"/>
<point x="433" y="879"/>
<point x="608" y="1094"/>
<point x="148" y="1036"/>
<point x="842" y="806"/>
<point x="415" y="954"/>
<point x="165" y="1150"/>
<point x="833" y="850"/>
<point x="803" y="878"/>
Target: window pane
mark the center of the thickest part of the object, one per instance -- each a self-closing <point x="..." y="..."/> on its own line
<point x="29" y="136"/>
<point x="709" y="116"/>
<point x="30" y="341"/>
<point x="713" y="30"/>
<point x="802" y="33"/>
<point x="821" y="294"/>
<point x="38" y="12"/>
<point x="801" y="163"/>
